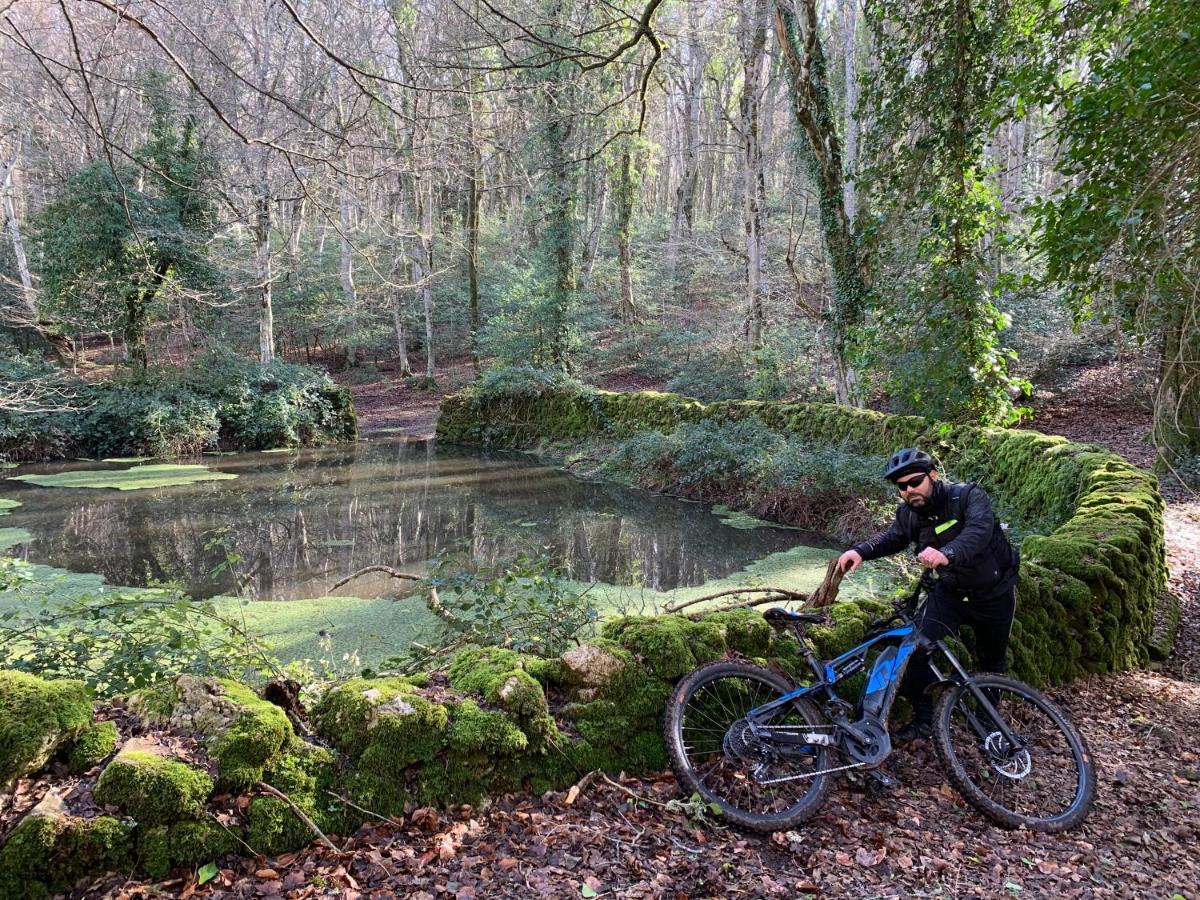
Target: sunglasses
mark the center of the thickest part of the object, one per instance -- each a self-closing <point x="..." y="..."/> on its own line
<point x="903" y="486"/>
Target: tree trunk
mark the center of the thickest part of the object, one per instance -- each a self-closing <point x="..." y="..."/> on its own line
<point x="850" y="68"/>
<point x="346" y="265"/>
<point x="753" y="34"/>
<point x="691" y="83"/>
<point x="426" y="247"/>
<point x="820" y="152"/>
<point x="625" y="198"/>
<point x="1177" y="400"/>
<point x="471" y="226"/>
<point x="13" y="227"/>
<point x="262" y="256"/>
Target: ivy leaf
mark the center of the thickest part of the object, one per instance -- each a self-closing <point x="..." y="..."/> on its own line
<point x="208" y="872"/>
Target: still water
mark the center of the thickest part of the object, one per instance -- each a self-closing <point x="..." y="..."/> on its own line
<point x="292" y="524"/>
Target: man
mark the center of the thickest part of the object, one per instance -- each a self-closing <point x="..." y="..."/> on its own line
<point x="953" y="527"/>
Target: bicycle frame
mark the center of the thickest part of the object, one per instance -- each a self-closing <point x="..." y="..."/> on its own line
<point x="877" y="696"/>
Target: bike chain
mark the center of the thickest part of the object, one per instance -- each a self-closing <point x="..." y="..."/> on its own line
<point x="806" y="774"/>
<point x="811" y="774"/>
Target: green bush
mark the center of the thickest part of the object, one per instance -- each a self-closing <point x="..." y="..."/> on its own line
<point x="147" y="417"/>
<point x="119" y="641"/>
<point x="37" y="407"/>
<point x="524" y="382"/>
<point x="221" y="400"/>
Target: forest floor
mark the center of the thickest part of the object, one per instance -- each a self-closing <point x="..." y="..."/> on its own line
<point x="624" y="837"/>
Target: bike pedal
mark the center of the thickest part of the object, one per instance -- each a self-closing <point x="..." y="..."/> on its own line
<point x="882" y="777"/>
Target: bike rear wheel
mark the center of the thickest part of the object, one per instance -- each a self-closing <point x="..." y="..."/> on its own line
<point x="1047" y="786"/>
<point x="705" y="734"/>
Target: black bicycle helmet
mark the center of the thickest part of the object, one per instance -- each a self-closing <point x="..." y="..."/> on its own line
<point x="910" y="459"/>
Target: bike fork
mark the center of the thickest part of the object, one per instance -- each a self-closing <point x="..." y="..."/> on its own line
<point x="1014" y="742"/>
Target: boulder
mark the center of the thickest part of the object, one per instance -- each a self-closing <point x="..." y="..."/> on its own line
<point x="38" y="718"/>
<point x="153" y="788"/>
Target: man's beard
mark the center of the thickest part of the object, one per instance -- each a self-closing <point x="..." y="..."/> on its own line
<point x="917" y="501"/>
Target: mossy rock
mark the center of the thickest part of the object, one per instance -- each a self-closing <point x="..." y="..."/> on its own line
<point x="92" y="747"/>
<point x="153" y="789"/>
<point x="310" y="776"/>
<point x="503" y="679"/>
<point x="184" y="845"/>
<point x="37" y="719"/>
<point x="668" y="646"/>
<point x="49" y="850"/>
<point x="244" y="732"/>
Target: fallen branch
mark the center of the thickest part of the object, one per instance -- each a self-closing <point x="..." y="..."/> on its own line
<point x="432" y="600"/>
<point x="300" y="814"/>
<point x="825" y="594"/>
<point x="634" y="794"/>
<point x="353" y="805"/>
<point x="748" y="604"/>
<point x="777" y="591"/>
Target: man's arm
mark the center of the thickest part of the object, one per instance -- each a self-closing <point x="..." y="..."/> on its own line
<point x="977" y="529"/>
<point x="895" y="539"/>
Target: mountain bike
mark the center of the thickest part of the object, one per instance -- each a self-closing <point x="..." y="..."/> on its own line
<point x="765" y="750"/>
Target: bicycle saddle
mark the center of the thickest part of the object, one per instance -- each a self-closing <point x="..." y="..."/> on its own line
<point x="777" y="616"/>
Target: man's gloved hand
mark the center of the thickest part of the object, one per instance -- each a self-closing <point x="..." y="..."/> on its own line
<point x="932" y="558"/>
<point x="849" y="561"/>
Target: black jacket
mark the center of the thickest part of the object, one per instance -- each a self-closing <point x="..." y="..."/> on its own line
<point x="958" y="520"/>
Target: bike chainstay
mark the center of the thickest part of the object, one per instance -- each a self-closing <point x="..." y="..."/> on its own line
<point x="805" y="774"/>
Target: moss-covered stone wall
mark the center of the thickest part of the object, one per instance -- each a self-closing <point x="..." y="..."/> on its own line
<point x="1093" y="563"/>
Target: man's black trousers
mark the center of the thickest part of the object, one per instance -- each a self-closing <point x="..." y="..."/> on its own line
<point x="943" y="614"/>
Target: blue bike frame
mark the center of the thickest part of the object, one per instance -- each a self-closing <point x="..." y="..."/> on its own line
<point x="882" y="683"/>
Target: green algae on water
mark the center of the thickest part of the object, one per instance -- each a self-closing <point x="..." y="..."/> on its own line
<point x="154" y="476"/>
<point x="744" y="521"/>
<point x="128" y="459"/>
<point x="6" y="505"/>
<point x="10" y="537"/>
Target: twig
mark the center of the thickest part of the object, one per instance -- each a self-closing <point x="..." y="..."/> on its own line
<point x="232" y="833"/>
<point x="432" y="600"/>
<point x="361" y="809"/>
<point x="633" y="794"/>
<point x="784" y="592"/>
<point x="300" y="814"/>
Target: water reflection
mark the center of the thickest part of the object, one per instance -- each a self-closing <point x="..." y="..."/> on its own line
<point x="293" y="524"/>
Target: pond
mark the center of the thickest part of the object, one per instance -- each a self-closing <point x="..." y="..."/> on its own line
<point x="294" y="523"/>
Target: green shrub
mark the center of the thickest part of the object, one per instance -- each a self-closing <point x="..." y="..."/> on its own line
<point x="120" y="641"/>
<point x="156" y="416"/>
<point x="44" y="421"/>
<point x="221" y="400"/>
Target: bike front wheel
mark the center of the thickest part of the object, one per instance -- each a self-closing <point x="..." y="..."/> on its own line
<point x="713" y="754"/>
<point x="1047" y="783"/>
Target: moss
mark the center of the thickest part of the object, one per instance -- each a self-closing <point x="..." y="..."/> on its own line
<point x="184" y="845"/>
<point x="153" y="789"/>
<point x="92" y="747"/>
<point x="11" y="537"/>
<point x="45" y="855"/>
<point x="478" y="730"/>
<point x="137" y="478"/>
<point x="256" y="736"/>
<point x="501" y="678"/>
<point x="307" y="774"/>
<point x="668" y="646"/>
<point x="346" y="714"/>
<point x="37" y="718"/>
<point x="155" y="702"/>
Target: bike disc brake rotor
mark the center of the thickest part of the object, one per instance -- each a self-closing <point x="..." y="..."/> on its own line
<point x="1011" y="765"/>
